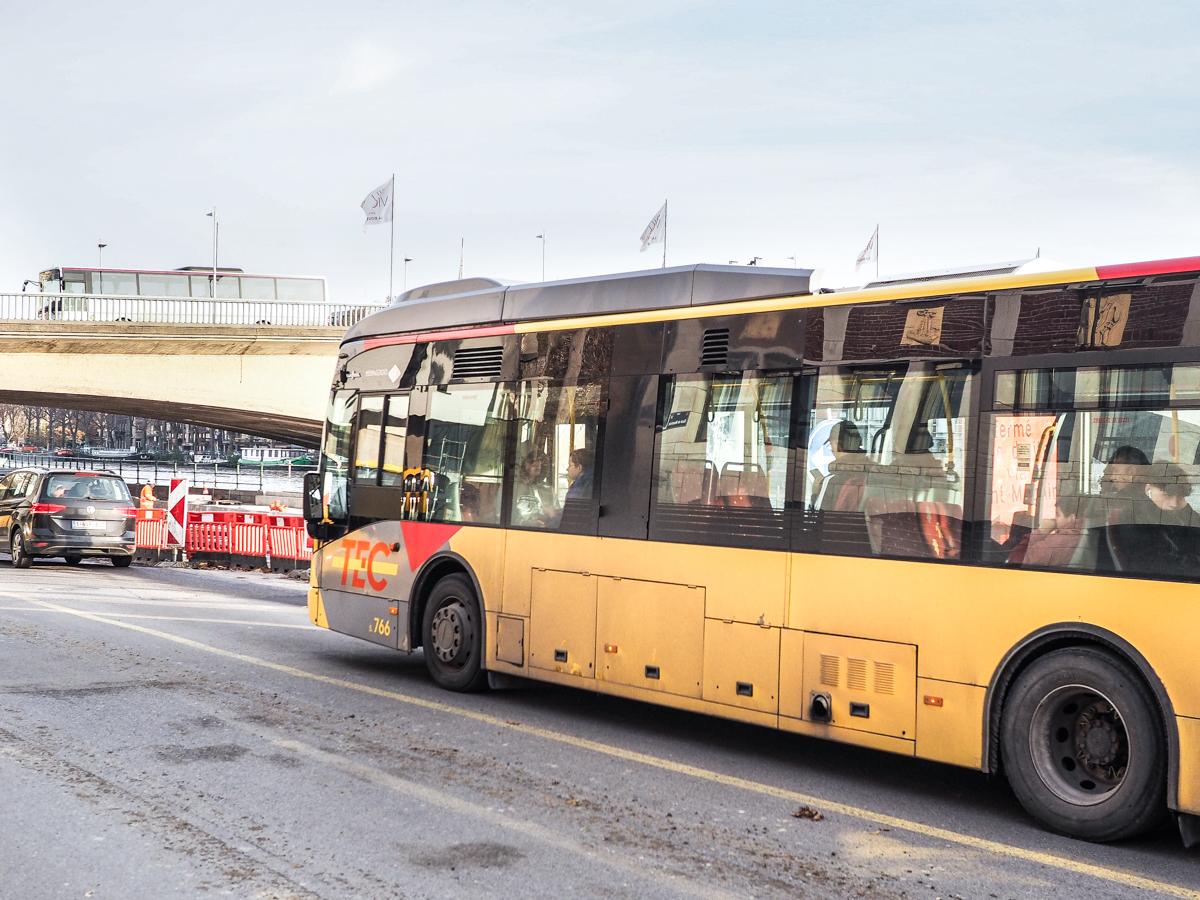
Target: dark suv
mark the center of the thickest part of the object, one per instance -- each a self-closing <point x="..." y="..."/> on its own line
<point x="67" y="514"/>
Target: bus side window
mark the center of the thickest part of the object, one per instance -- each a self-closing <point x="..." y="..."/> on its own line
<point x="367" y="437"/>
<point x="555" y="483"/>
<point x="466" y="435"/>
<point x="885" y="460"/>
<point x="721" y="453"/>
<point x="395" y="432"/>
<point x="1092" y="469"/>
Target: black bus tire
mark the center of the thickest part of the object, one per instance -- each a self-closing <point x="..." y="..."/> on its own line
<point x="1083" y="747"/>
<point x="452" y="635"/>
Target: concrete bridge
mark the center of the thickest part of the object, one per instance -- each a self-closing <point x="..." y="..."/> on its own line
<point x="222" y="364"/>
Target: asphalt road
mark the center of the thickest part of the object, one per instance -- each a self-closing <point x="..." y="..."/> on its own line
<point x="168" y="732"/>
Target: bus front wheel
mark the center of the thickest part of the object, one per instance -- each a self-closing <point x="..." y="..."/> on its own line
<point x="1082" y="746"/>
<point x="452" y="635"/>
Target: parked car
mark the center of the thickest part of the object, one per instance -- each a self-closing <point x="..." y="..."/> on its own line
<point x="64" y="452"/>
<point x="67" y="514"/>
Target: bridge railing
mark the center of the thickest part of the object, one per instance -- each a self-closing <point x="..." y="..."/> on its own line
<point x="180" y="310"/>
<point x="281" y="478"/>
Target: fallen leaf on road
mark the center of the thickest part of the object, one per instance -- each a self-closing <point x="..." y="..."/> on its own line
<point x="807" y="812"/>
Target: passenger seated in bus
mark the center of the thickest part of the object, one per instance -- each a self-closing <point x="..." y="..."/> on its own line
<point x="1163" y="534"/>
<point x="579" y="474"/>
<point x="1122" y="483"/>
<point x="842" y="489"/>
<point x="468" y="503"/>
<point x="533" y="497"/>
<point x="1062" y="542"/>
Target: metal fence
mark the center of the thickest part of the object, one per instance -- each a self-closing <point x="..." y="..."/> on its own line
<point x="180" y="310"/>
<point x="281" y="479"/>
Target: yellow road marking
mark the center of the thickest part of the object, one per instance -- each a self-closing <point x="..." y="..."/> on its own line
<point x="1093" y="870"/>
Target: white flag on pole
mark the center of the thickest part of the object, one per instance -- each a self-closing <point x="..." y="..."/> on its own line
<point x="653" y="232"/>
<point x="378" y="204"/>
<point x="870" y="252"/>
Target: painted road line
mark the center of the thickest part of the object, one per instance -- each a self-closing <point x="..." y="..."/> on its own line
<point x="984" y="845"/>
<point x="117" y="615"/>
<point x="179" y="604"/>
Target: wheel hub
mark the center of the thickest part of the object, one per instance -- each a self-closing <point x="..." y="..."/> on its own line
<point x="1079" y="745"/>
<point x="448" y="632"/>
<point x="1096" y="738"/>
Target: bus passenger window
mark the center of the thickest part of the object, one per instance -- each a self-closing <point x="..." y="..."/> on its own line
<point x="722" y="460"/>
<point x="366" y="439"/>
<point x="465" y="437"/>
<point x="886" y="450"/>
<point x="395" y="430"/>
<point x="1097" y="474"/>
<point x="554" y="484"/>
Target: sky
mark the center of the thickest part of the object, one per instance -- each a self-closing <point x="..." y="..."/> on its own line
<point x="969" y="132"/>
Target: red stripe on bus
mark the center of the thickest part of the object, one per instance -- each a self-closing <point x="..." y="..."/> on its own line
<point x="426" y="336"/>
<point x="1154" y="267"/>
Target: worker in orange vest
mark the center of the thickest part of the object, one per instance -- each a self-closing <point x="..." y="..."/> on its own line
<point x="147" y="496"/>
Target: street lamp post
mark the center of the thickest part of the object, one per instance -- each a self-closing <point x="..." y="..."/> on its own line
<point x="542" y="237"/>
<point x="100" y="255"/>
<point x="216" y="236"/>
<point x="404" y="277"/>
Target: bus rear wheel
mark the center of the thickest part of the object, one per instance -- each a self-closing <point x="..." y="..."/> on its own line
<point x="1083" y="748"/>
<point x="452" y="635"/>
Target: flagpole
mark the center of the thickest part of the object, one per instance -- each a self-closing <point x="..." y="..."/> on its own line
<point x="664" y="265"/>
<point x="876" y="251"/>
<point x="392" y="241"/>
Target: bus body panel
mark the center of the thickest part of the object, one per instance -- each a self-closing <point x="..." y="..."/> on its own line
<point x="906" y="650"/>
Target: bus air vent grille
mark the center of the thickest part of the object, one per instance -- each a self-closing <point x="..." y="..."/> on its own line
<point x="478" y="362"/>
<point x="714" y="347"/>
<point x="856" y="674"/>
<point x="830" y="670"/>
<point x="885" y="678"/>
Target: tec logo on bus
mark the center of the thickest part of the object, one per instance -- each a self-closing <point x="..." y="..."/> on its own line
<point x="364" y="563"/>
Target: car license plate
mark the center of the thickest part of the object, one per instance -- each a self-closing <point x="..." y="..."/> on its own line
<point x="88" y="525"/>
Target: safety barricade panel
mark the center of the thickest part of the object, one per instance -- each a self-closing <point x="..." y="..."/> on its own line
<point x="248" y="540"/>
<point x="208" y="537"/>
<point x="150" y="534"/>
<point x="288" y="542"/>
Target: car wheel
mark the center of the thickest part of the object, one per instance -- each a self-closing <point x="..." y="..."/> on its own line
<point x="121" y="562"/>
<point x="20" y="556"/>
<point x="452" y="635"/>
<point x="73" y="559"/>
<point x="1083" y="747"/>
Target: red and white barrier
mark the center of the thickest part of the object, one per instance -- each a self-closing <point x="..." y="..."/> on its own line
<point x="234" y="537"/>
<point x="150" y="533"/>
<point x="177" y="513"/>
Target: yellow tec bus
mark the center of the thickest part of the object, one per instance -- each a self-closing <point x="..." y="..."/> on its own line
<point x="951" y="519"/>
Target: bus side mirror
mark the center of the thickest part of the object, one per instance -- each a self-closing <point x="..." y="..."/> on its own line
<point x="314" y="515"/>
